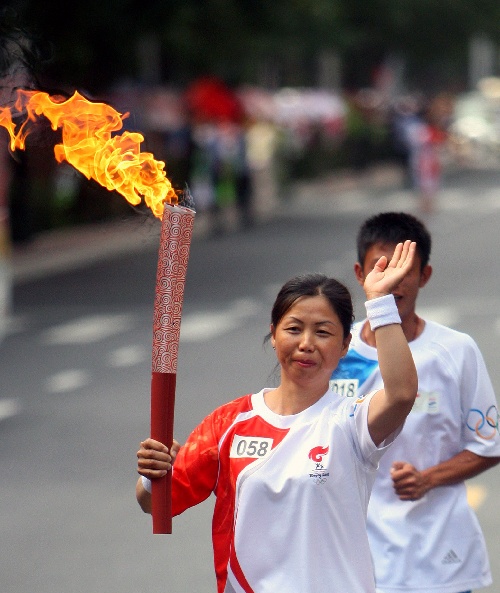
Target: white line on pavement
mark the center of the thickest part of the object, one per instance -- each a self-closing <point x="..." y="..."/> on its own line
<point x="87" y="330"/>
<point x="199" y="327"/>
<point x="68" y="380"/>
<point x="9" y="408"/>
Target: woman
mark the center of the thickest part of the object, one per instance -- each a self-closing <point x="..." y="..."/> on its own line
<point x="292" y="467"/>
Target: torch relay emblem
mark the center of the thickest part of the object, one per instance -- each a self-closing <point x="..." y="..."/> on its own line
<point x="319" y="474"/>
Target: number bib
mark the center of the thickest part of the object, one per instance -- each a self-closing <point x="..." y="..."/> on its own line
<point x="345" y="387"/>
<point x="250" y="447"/>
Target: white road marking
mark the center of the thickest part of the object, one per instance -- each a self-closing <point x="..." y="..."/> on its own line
<point x="87" y="330"/>
<point x="127" y="356"/>
<point x="199" y="327"/>
<point x="8" y="408"/>
<point x="68" y="380"/>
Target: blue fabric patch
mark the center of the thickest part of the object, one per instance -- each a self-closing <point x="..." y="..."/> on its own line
<point x="354" y="366"/>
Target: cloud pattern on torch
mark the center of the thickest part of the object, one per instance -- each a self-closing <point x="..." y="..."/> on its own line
<point x="173" y="256"/>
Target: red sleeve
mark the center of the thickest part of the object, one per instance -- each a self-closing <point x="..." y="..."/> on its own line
<point x="196" y="468"/>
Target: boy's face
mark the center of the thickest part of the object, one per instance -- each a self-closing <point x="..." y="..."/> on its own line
<point x="407" y="291"/>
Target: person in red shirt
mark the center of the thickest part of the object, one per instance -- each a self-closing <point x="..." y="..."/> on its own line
<point x="292" y="467"/>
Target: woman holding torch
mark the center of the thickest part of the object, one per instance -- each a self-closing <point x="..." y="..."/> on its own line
<point x="292" y="467"/>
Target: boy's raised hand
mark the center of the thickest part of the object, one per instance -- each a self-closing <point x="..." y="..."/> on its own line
<point x="385" y="277"/>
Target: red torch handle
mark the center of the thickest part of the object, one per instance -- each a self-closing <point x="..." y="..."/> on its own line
<point x="175" y="240"/>
<point x="162" y="429"/>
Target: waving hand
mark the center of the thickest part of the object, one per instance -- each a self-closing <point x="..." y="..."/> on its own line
<point x="384" y="277"/>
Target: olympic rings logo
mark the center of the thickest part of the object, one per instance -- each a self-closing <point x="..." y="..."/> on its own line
<point x="484" y="425"/>
<point x="320" y="480"/>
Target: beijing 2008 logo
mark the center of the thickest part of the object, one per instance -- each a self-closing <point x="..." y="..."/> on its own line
<point x="319" y="475"/>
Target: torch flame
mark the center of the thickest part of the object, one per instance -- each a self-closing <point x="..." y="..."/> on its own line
<point x="114" y="161"/>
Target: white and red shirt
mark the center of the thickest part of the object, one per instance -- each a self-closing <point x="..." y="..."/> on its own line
<point x="292" y="494"/>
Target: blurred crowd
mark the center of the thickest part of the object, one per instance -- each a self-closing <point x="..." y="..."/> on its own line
<point x="240" y="149"/>
<point x="237" y="149"/>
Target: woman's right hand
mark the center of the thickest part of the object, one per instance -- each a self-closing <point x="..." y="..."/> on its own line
<point x="154" y="458"/>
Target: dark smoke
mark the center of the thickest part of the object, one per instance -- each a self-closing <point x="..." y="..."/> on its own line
<point x="22" y="56"/>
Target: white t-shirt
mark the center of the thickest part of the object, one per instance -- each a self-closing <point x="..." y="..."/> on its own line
<point x="435" y="543"/>
<point x="292" y="493"/>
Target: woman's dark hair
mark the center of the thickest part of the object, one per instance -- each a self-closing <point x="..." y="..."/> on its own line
<point x="393" y="228"/>
<point x="314" y="285"/>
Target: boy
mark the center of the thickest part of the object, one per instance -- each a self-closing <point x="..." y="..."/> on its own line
<point x="424" y="537"/>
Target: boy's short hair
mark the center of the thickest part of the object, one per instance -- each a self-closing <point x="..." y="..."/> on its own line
<point x="394" y="227"/>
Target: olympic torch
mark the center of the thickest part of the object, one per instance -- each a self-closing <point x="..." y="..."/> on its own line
<point x="91" y="144"/>
<point x="176" y="231"/>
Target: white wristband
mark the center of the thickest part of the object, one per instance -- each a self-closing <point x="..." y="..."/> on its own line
<point x="146" y="484"/>
<point x="382" y="311"/>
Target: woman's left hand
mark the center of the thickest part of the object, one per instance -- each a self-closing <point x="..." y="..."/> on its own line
<point x="385" y="277"/>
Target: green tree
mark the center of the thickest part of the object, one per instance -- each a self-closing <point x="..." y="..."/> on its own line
<point x="94" y="44"/>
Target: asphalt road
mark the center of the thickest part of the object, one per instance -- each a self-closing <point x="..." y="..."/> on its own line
<point x="75" y="375"/>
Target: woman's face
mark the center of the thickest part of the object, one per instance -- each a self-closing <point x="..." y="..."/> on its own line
<point x="309" y="341"/>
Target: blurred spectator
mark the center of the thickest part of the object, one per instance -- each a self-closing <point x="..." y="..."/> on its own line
<point x="200" y="175"/>
<point x="366" y="129"/>
<point x="231" y="173"/>
<point x="262" y="142"/>
<point x="403" y="117"/>
<point x="166" y="118"/>
<point x="221" y="176"/>
<point x="358" y="141"/>
<point x="426" y="138"/>
<point x="418" y="134"/>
